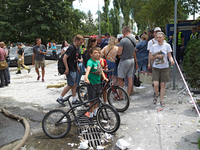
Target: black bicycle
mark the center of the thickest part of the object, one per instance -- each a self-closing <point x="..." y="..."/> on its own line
<point x="57" y="123"/>
<point x="113" y="94"/>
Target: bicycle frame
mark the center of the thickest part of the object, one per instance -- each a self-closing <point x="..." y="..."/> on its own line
<point x="98" y="100"/>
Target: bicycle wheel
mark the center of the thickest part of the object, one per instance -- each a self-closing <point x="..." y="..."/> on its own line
<point x="108" y="119"/>
<point x="54" y="128"/>
<point x="83" y="94"/>
<point x="114" y="100"/>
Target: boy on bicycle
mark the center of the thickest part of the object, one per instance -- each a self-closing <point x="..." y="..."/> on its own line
<point x="93" y="76"/>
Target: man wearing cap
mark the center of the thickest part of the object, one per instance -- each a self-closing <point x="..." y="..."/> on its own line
<point x="104" y="42"/>
<point x="179" y="45"/>
<point x="20" y="61"/>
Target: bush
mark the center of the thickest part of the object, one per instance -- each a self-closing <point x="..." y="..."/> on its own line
<point x="191" y="62"/>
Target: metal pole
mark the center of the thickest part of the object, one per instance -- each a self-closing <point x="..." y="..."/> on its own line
<point x="174" y="45"/>
<point x="99" y="20"/>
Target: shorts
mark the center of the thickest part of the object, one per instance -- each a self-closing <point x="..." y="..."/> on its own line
<point x="126" y="67"/>
<point x="161" y="75"/>
<point x="112" y="65"/>
<point x="72" y="78"/>
<point x="92" y="94"/>
<point x="39" y="64"/>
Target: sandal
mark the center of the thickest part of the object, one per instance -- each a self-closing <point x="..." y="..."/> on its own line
<point x="132" y="93"/>
<point x="155" y="99"/>
<point x="162" y="103"/>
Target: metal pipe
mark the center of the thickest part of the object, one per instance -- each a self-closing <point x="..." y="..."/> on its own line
<point x="174" y="45"/>
<point x="99" y="20"/>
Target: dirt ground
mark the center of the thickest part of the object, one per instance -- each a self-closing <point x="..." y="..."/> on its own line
<point x="173" y="128"/>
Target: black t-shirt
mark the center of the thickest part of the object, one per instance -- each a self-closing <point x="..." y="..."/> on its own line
<point x="20" y="51"/>
<point x="72" y="60"/>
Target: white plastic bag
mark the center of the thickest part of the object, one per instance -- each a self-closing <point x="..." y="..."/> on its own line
<point x="122" y="144"/>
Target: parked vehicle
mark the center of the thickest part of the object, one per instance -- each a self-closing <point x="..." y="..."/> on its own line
<point x="28" y="55"/>
<point x="49" y="54"/>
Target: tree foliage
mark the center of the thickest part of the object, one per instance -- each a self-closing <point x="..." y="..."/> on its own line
<point x="150" y="13"/>
<point x="106" y="14"/>
<point x="24" y="20"/>
<point x="114" y="21"/>
<point x="89" y="27"/>
<point x="191" y="62"/>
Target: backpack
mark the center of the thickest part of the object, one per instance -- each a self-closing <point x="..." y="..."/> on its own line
<point x="61" y="65"/>
<point x="86" y="57"/>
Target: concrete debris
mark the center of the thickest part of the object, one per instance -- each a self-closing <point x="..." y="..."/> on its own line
<point x="122" y="144"/>
<point x="83" y="145"/>
<point x="108" y="136"/>
<point x="159" y="109"/>
<point x="180" y="102"/>
<point x="84" y="131"/>
<point x="100" y="147"/>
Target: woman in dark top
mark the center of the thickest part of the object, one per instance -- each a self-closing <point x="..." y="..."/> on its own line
<point x="142" y="53"/>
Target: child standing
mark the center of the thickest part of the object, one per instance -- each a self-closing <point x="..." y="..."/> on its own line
<point x="104" y="67"/>
<point x="93" y="76"/>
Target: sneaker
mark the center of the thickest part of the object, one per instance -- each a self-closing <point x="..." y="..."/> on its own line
<point x="91" y="121"/>
<point x="42" y="79"/>
<point x="29" y="70"/>
<point x="76" y="102"/>
<point x="18" y="72"/>
<point x="60" y="101"/>
<point x="38" y="78"/>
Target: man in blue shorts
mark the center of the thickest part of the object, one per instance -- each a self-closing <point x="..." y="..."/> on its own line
<point x="70" y="60"/>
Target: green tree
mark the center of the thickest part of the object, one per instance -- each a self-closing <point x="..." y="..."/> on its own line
<point x="106" y="15"/>
<point x="126" y="6"/>
<point x="114" y="21"/>
<point x="24" y="20"/>
<point x="149" y="13"/>
<point x="192" y="6"/>
<point x="89" y="28"/>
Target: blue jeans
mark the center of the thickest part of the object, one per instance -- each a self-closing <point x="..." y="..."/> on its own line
<point x="112" y="65"/>
<point x="8" y="72"/>
<point x="142" y="67"/>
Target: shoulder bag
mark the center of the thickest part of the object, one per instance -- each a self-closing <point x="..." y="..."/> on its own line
<point x="3" y="65"/>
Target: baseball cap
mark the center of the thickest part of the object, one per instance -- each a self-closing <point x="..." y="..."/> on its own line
<point x="19" y="44"/>
<point x="157" y="29"/>
<point x="107" y="34"/>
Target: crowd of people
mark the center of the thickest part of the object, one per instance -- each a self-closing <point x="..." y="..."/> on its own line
<point x="124" y="55"/>
<point x="100" y="54"/>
